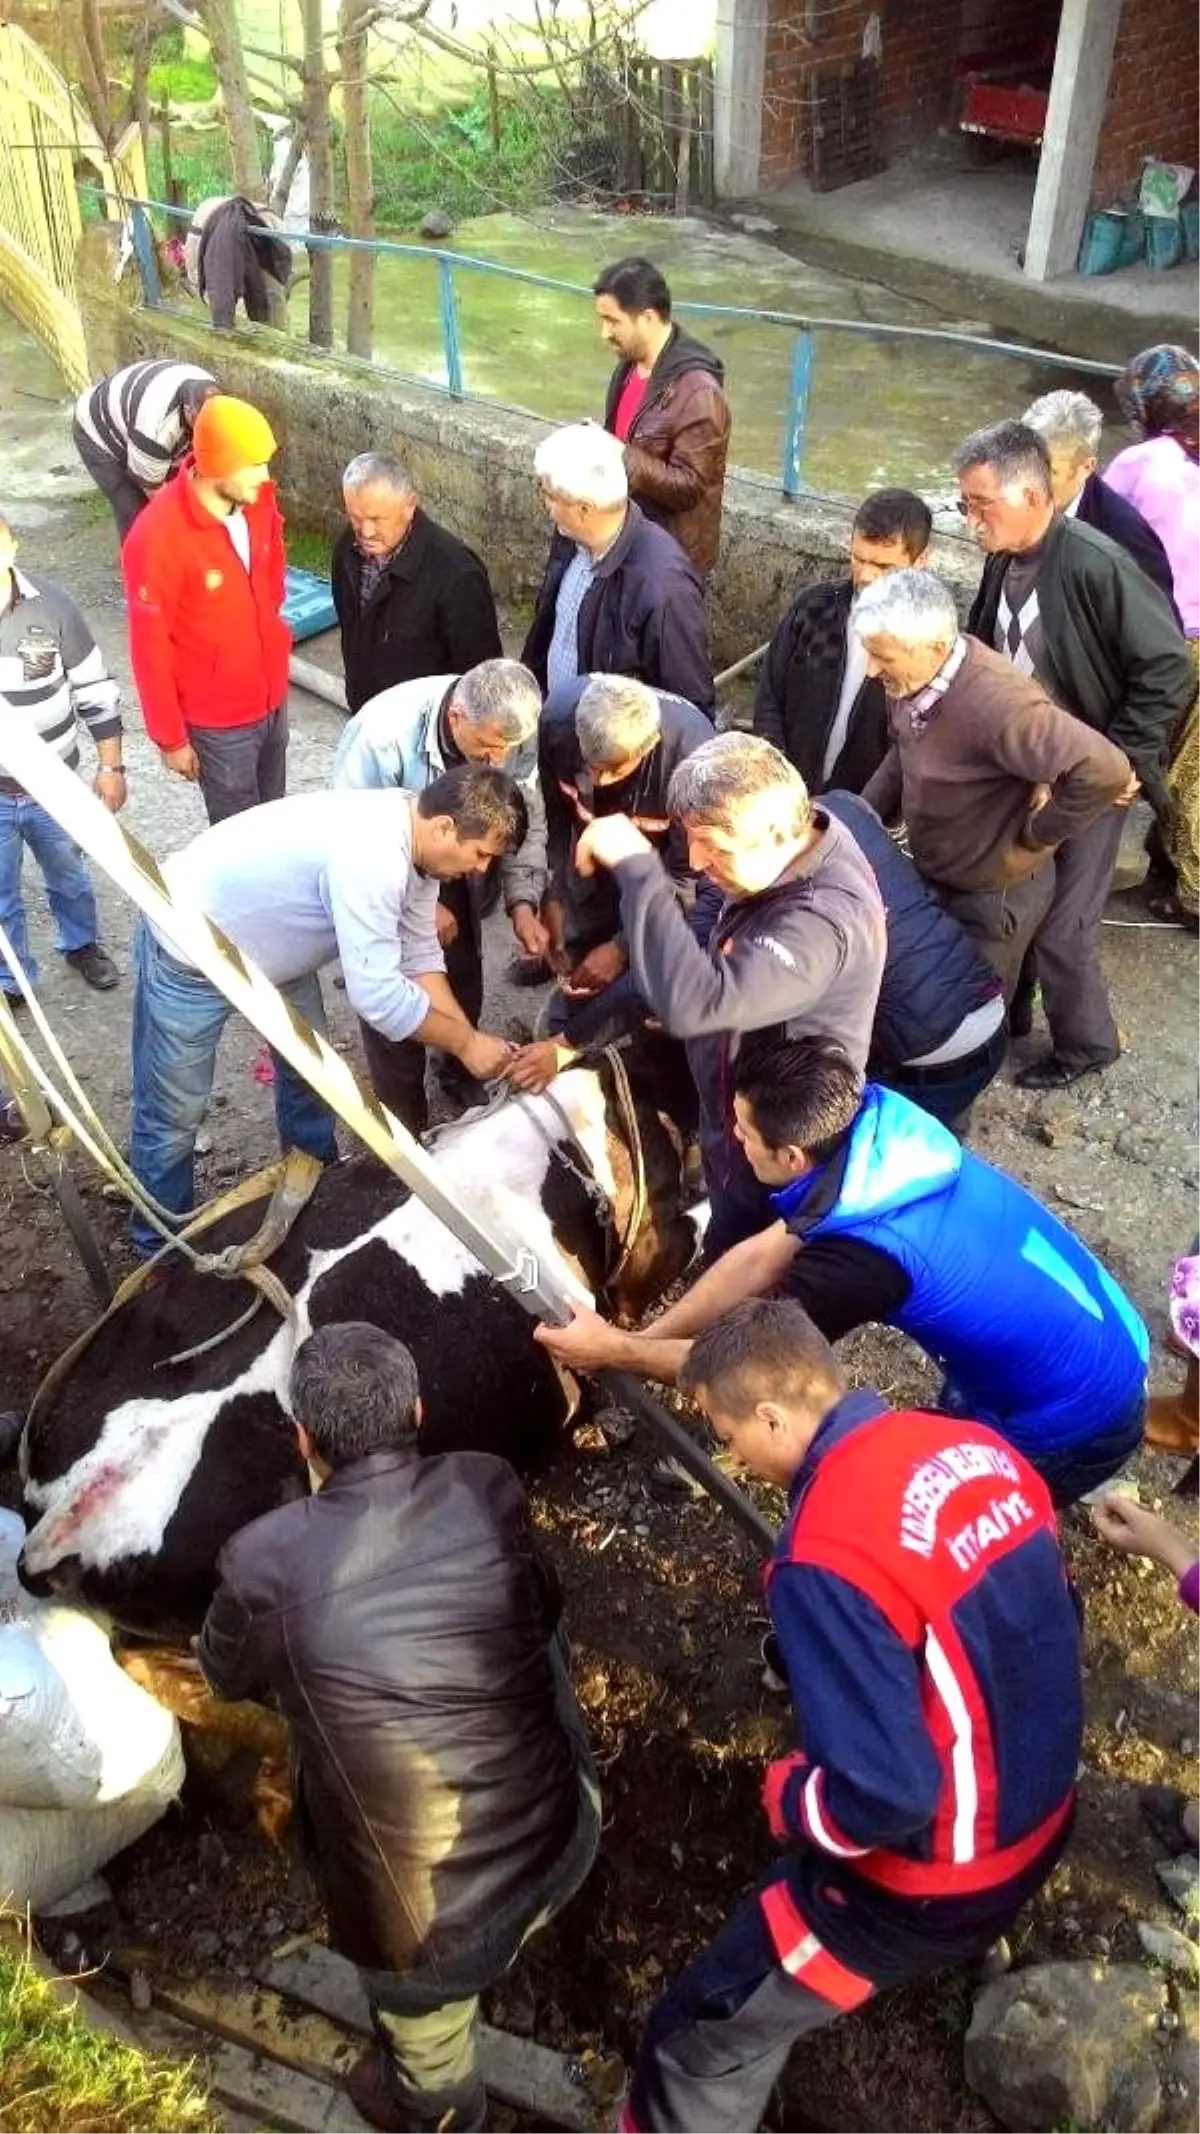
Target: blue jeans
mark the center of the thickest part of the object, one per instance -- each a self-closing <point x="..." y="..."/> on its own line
<point x="69" y="889"/>
<point x="178" y="1017"/>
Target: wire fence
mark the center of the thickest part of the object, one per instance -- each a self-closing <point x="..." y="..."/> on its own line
<point x="822" y="406"/>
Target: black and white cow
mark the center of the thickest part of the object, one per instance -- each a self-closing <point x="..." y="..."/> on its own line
<point x="140" y="1467"/>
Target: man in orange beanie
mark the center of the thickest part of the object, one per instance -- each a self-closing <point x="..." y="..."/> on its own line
<point x="204" y="580"/>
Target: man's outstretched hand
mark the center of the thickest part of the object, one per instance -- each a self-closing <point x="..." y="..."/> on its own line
<point x="586" y="1343"/>
<point x="607" y="841"/>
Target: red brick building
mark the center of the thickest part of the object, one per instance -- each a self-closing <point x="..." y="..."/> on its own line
<point x="833" y="90"/>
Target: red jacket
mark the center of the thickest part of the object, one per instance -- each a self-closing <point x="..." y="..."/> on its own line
<point x="207" y="641"/>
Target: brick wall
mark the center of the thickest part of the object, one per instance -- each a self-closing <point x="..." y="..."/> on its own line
<point x="822" y="34"/>
<point x="1153" y="107"/>
<point x="920" y="45"/>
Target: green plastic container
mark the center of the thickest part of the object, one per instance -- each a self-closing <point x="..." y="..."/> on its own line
<point x="1190" y="218"/>
<point x="1103" y="237"/>
<point x="1164" y="240"/>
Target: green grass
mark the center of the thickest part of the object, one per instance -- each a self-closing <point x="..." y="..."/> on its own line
<point x="184" y="81"/>
<point x="200" y="160"/>
<point x="59" y="2076"/>
<point x="449" y="160"/>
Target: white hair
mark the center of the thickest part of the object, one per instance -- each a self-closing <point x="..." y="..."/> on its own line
<point x="583" y="464"/>
<point x="501" y="693"/>
<point x="1064" y="418"/>
<point x="912" y="606"/>
<point x="368" y="467"/>
<point x="708" y="784"/>
<point x="616" y="718"/>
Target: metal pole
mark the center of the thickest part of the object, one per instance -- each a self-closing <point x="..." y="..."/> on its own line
<point x="450" y="343"/>
<point x="751" y="659"/>
<point x="143" y="252"/>
<point x="796" y="424"/>
<point x="45" y="777"/>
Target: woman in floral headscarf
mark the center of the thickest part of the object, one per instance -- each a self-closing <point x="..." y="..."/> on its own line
<point x="1159" y="395"/>
<point x="1173" y="1419"/>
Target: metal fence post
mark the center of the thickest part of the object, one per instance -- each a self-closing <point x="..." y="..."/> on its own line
<point x="795" y="431"/>
<point x="143" y="251"/>
<point x="454" y="371"/>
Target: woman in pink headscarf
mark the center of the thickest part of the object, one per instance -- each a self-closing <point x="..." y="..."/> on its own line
<point x="1159" y="395"/>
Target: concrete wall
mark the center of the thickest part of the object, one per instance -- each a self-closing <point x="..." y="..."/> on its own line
<point x="1153" y="107"/>
<point x="472" y="463"/>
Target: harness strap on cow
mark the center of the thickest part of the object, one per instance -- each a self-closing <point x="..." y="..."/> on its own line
<point x="290" y="1182"/>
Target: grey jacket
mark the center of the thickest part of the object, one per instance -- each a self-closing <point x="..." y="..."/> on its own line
<point x="397" y="739"/>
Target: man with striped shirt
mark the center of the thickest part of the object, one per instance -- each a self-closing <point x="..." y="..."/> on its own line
<point x="133" y="429"/>
<point x="52" y="675"/>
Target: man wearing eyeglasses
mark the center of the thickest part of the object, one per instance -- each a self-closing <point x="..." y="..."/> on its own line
<point x="1071" y="609"/>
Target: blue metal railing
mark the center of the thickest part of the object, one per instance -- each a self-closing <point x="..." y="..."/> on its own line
<point x="799" y="395"/>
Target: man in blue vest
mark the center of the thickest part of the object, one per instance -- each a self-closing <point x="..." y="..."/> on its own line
<point x="931" y="1647"/>
<point x="882" y="1215"/>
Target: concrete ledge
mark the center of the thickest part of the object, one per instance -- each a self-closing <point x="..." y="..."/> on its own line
<point x="472" y="462"/>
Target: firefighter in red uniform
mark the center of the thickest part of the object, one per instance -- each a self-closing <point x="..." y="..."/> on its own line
<point x="923" y="1615"/>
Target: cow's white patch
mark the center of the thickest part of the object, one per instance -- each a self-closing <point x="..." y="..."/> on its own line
<point x="118" y="1498"/>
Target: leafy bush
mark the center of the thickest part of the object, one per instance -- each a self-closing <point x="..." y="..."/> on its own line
<point x="450" y="160"/>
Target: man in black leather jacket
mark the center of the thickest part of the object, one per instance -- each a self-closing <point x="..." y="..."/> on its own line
<point x="406" y="1627"/>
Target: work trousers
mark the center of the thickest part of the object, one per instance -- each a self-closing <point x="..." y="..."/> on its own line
<point x="126" y="498"/>
<point x="1002" y="922"/>
<point x="397" y="1065"/>
<point x="178" y="1017"/>
<point x="1066" y="946"/>
<point x="69" y="891"/>
<point x="947" y="1092"/>
<point x="719" y="2039"/>
<point x="241" y="766"/>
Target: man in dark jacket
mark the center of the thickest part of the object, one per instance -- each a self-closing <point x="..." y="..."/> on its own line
<point x="406" y="1627"/>
<point x="1069" y="607"/>
<point x="793" y="937"/>
<point x="876" y="1213"/>
<point x="412" y="599"/>
<point x="940" y="1033"/>
<point x="619" y="596"/>
<point x="917" y="1581"/>
<point x="1071" y="426"/>
<point x="240" y="258"/>
<point x="665" y="403"/>
<point x="815" y="699"/>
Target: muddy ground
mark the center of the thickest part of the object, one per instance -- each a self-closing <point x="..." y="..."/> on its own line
<point x="664" y="1599"/>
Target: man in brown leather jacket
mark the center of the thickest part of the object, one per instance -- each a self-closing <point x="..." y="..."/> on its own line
<point x="406" y="1627"/>
<point x="666" y="404"/>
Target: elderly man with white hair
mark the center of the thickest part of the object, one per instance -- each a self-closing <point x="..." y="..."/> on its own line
<point x="411" y="598"/>
<point x="987" y="772"/>
<point x="407" y="737"/>
<point x="788" y="939"/>
<point x="619" y="595"/>
<point x="1070" y="426"/>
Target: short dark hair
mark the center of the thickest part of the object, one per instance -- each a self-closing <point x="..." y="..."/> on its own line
<point x="480" y="801"/>
<point x="355" y="1390"/>
<point x="805" y="1092"/>
<point x="636" y="284"/>
<point x="895" y="515"/>
<point x="1013" y="449"/>
<point x="764" y="1348"/>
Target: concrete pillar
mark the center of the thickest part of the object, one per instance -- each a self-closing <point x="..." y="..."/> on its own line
<point x="1082" y="66"/>
<point x="738" y="81"/>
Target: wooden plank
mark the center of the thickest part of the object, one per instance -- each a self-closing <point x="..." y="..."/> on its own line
<point x="546" y="2084"/>
<point x="271" y="2095"/>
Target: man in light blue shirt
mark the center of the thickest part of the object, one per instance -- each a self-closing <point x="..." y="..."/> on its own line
<point x="296" y="884"/>
<point x="409" y="735"/>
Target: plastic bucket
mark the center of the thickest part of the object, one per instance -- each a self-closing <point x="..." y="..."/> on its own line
<point x="1190" y="218"/>
<point x="1103" y="237"/>
<point x="1164" y="240"/>
<point x="1133" y="238"/>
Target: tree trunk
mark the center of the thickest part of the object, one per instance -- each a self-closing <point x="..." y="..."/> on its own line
<point x="320" y="164"/>
<point x="143" y="39"/>
<point x="229" y="62"/>
<point x="93" y="71"/>
<point x="360" y="181"/>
